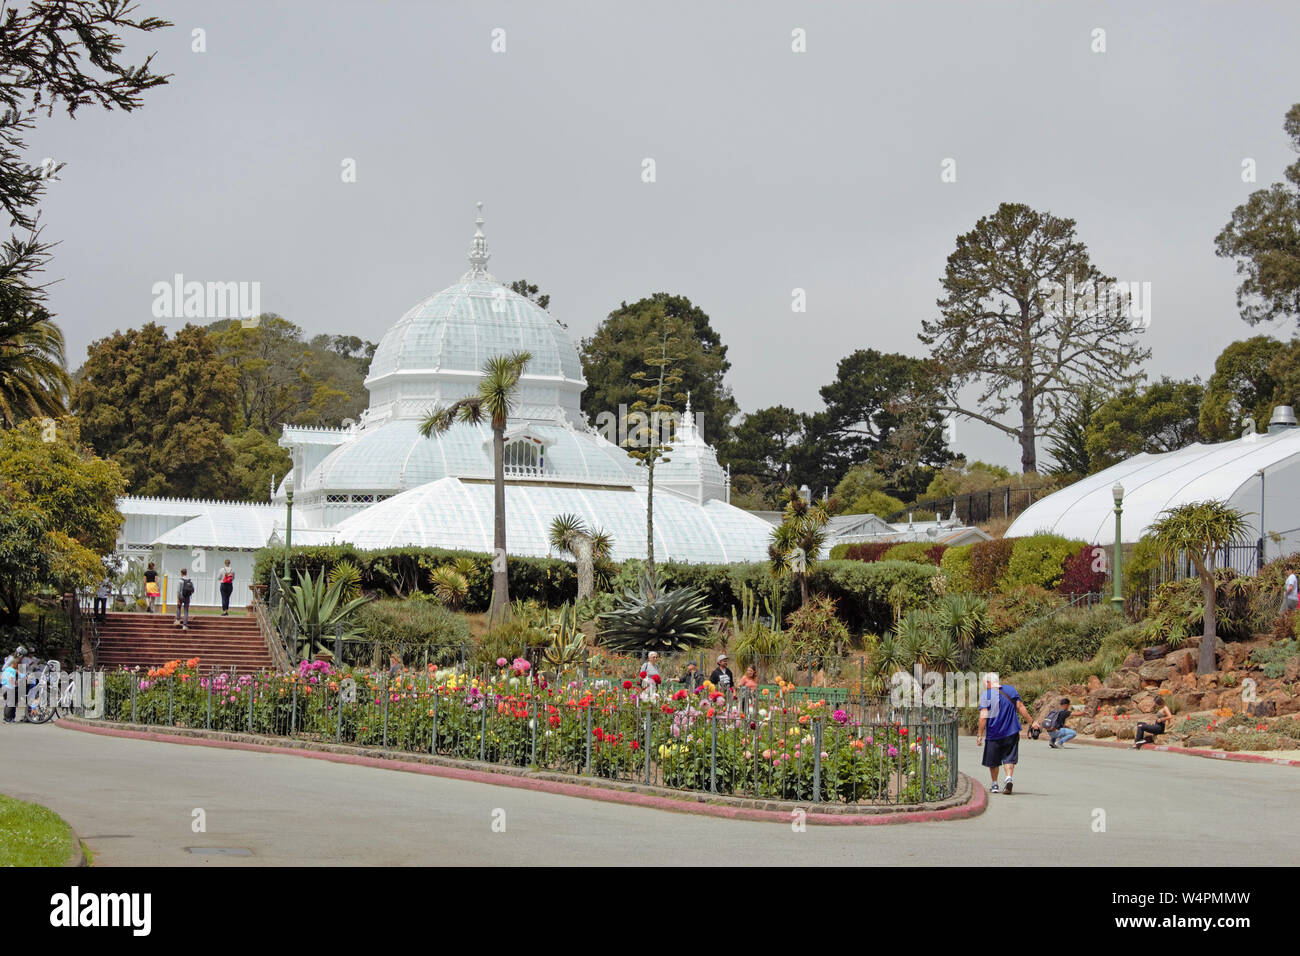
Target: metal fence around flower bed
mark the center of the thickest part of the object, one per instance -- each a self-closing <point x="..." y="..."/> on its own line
<point x="858" y="750"/>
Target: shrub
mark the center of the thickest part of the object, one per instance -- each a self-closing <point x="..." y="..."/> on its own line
<point x="1011" y="609"/>
<point x="814" y="630"/>
<point x="918" y="551"/>
<point x="1274" y="657"/>
<point x="1141" y="565"/>
<point x="862" y="590"/>
<point x="1078" y="575"/>
<point x="409" y="626"/>
<point x="956" y="565"/>
<point x="1038" y="560"/>
<point x="866" y="551"/>
<point x="988" y="562"/>
<point x="1074" y="635"/>
<point x="1177" y="611"/>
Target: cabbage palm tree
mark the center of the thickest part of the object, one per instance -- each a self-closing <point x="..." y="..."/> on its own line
<point x="570" y="535"/>
<point x="799" y="539"/>
<point x="1199" y="530"/>
<point x="494" y="402"/>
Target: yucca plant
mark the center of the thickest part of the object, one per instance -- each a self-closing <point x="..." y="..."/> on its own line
<point x="318" y="606"/>
<point x="450" y="586"/>
<point x="570" y="535"/>
<point x="347" y="576"/>
<point x="648" y="618"/>
<point x="964" y="618"/>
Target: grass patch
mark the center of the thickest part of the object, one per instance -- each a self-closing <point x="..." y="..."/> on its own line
<point x="32" y="835"/>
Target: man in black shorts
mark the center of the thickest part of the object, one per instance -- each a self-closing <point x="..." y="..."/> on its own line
<point x="1000" y="729"/>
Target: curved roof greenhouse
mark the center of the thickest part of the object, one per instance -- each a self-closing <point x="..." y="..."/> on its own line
<point x="1254" y="474"/>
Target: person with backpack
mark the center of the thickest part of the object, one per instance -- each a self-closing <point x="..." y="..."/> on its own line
<point x="227" y="587"/>
<point x="183" y="595"/>
<point x="1054" y="723"/>
<point x="999" y="730"/>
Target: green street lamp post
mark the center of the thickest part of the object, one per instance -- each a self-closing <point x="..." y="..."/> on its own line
<point x="288" y="524"/>
<point x="1118" y="600"/>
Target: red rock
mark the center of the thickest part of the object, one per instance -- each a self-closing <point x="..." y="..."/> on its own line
<point x="1182" y="661"/>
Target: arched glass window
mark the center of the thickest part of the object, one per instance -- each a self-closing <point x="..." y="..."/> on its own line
<point x="524" y="456"/>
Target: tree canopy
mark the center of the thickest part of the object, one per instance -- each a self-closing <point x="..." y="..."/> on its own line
<point x="1002" y="328"/>
<point x="1159" y="417"/>
<point x="1263" y="237"/>
<point x="58" y="510"/>
<point x="617" y="349"/>
<point x="160" y="408"/>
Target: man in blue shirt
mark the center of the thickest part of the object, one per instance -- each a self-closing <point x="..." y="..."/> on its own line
<point x="1000" y="729"/>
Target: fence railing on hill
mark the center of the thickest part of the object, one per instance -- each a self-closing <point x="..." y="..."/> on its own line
<point x="977" y="507"/>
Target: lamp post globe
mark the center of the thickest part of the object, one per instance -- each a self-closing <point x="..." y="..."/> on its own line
<point x="1117" y="492"/>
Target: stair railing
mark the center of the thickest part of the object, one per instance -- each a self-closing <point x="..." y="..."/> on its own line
<point x="275" y="621"/>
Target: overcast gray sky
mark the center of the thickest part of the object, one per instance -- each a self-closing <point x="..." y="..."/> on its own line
<point x="775" y="170"/>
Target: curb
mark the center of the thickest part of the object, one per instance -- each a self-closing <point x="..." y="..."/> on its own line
<point x="969" y="800"/>
<point x="78" y="855"/>
<point x="1193" y="752"/>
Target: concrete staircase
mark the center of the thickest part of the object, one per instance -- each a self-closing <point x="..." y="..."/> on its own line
<point x="147" y="640"/>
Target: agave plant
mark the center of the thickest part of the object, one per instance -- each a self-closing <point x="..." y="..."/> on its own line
<point x="568" y="646"/>
<point x="648" y="618"/>
<point x="318" y="606"/>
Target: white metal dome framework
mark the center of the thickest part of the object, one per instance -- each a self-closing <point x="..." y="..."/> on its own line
<point x="380" y="483"/>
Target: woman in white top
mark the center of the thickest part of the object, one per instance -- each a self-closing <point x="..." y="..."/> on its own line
<point x="650" y="687"/>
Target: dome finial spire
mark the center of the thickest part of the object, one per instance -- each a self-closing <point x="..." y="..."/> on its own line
<point x="478" y="250"/>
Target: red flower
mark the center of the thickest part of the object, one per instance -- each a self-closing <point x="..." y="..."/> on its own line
<point x="656" y="678"/>
<point x="902" y="731"/>
<point x="709" y="712"/>
<point x="643" y="674"/>
<point x="627" y="685"/>
<point x="635" y="745"/>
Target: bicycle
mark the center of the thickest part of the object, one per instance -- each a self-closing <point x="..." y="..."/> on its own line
<point x="45" y="706"/>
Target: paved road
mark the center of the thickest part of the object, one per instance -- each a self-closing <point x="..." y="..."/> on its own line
<point x="132" y="802"/>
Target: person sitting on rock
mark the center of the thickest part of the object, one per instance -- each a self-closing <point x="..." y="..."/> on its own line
<point x="1160" y="716"/>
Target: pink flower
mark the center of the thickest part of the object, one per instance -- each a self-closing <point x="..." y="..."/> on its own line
<point x="501" y="662"/>
<point x="893" y="751"/>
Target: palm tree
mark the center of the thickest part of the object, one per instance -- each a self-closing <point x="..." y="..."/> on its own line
<point x="570" y="535"/>
<point x="799" y="539"/>
<point x="1199" y="530"/>
<point x="495" y="401"/>
<point x="34" y="382"/>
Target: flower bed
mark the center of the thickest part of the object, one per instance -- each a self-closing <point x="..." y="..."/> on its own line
<point x="856" y="751"/>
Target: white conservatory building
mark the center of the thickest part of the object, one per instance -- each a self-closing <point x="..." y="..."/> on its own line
<point x="1258" y="474"/>
<point x="379" y="483"/>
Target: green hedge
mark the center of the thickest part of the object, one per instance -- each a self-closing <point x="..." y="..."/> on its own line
<point x="918" y="552"/>
<point x="1038" y="560"/>
<point x="955" y="564"/>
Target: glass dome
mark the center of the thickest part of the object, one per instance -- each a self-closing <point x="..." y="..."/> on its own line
<point x="435" y="353"/>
